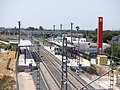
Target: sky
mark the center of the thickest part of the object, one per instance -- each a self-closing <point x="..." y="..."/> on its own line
<point x="46" y="13"/>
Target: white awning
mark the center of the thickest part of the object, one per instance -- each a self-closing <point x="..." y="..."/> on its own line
<point x="24" y="43"/>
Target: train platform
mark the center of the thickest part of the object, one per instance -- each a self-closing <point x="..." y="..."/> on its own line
<point x="72" y="62"/>
<point x="25" y="81"/>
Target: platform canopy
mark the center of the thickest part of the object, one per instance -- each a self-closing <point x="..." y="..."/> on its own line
<point x="60" y="43"/>
<point x="25" y="43"/>
<point x="13" y="41"/>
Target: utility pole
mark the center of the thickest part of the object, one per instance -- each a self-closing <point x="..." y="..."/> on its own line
<point x="54" y="31"/>
<point x="114" y="40"/>
<point x="71" y="31"/>
<point x="31" y="39"/>
<point x="19" y="31"/>
<point x="38" y="48"/>
<point x="5" y="31"/>
<point x="18" y="49"/>
<point x="61" y="30"/>
<point x="78" y="62"/>
<point x="38" y="65"/>
<point x="14" y="30"/>
<point x="111" y="68"/>
<point x="64" y="65"/>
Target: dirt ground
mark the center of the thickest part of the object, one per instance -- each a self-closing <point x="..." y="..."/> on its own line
<point x="10" y="71"/>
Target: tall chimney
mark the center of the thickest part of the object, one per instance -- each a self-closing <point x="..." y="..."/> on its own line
<point x="100" y="35"/>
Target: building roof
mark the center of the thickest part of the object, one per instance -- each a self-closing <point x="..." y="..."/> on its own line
<point x="60" y="43"/>
<point x="101" y="55"/>
<point x="116" y="39"/>
<point x="24" y="43"/>
<point x="13" y="41"/>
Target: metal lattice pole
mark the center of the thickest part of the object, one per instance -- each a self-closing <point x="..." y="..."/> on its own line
<point x="38" y="79"/>
<point x="64" y="65"/>
<point x="112" y="72"/>
<point x="38" y="48"/>
<point x="78" y="60"/>
<point x="38" y="65"/>
<point x="31" y="39"/>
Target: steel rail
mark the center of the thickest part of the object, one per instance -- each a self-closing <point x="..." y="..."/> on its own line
<point x="54" y="60"/>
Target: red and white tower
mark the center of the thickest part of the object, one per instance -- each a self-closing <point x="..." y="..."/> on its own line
<point x="100" y="35"/>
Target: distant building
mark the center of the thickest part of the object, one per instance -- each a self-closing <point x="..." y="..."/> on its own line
<point x="2" y="28"/>
<point x="116" y="39"/>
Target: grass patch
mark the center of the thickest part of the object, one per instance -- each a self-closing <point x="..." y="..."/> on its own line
<point x="1" y="82"/>
<point x="5" y="46"/>
<point x="6" y="38"/>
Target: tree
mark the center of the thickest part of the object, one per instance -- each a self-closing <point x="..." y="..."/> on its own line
<point x="95" y="39"/>
<point x="30" y="28"/>
<point x="41" y="28"/>
<point x="116" y="51"/>
<point x="107" y="37"/>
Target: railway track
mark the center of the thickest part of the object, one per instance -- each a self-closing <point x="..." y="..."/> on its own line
<point x="74" y="81"/>
<point x="55" y="71"/>
<point x="49" y="80"/>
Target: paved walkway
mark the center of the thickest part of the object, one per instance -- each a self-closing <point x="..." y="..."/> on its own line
<point x="25" y="81"/>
